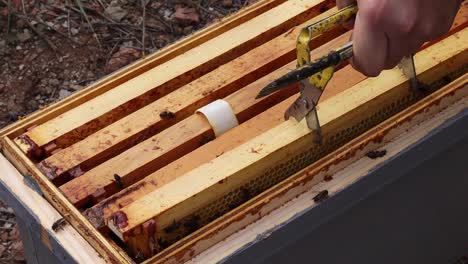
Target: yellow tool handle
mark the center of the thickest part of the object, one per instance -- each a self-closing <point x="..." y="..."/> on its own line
<point x="320" y="27"/>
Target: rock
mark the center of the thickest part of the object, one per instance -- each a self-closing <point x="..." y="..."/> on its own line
<point x="188" y="30"/>
<point x="76" y="87"/>
<point x="127" y="43"/>
<point x="34" y="104"/>
<point x="167" y="13"/>
<point x="64" y="93"/>
<point x="115" y="12"/>
<point x="54" y="82"/>
<point x="11" y="116"/>
<point x="49" y="24"/>
<point x="90" y="75"/>
<point x="186" y="15"/>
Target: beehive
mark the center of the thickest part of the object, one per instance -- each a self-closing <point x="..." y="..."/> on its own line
<point x="141" y="176"/>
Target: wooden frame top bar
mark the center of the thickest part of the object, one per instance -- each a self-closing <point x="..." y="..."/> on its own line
<point x="179" y="70"/>
<point x="216" y="188"/>
<point x="272" y="146"/>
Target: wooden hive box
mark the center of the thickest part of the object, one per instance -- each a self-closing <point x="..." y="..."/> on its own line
<point x="142" y="176"/>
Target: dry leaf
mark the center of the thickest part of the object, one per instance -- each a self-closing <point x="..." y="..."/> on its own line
<point x="186" y="15"/>
<point x="121" y="58"/>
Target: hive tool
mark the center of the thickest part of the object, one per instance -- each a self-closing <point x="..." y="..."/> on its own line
<point x="314" y="76"/>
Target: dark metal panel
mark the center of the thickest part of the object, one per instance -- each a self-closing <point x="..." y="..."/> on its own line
<point x="29" y="246"/>
<point x="30" y="231"/>
<point x="35" y="251"/>
<point x="411" y="209"/>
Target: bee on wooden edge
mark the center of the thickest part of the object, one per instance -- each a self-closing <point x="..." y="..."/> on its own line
<point x="167" y="115"/>
<point x="119" y="181"/>
<point x="321" y="196"/>
<point x="374" y="154"/>
<point x="59" y="224"/>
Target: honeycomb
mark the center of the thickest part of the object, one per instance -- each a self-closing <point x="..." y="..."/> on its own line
<point x="274" y="175"/>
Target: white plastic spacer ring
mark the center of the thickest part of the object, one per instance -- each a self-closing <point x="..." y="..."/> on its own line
<point x="220" y="116"/>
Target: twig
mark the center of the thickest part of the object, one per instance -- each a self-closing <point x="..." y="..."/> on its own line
<point x="91" y="10"/>
<point x="133" y="27"/>
<point x="219" y="11"/>
<point x="87" y="81"/>
<point x="101" y="3"/>
<point x="7" y="221"/>
<point x="214" y="12"/>
<point x="111" y="22"/>
<point x="53" y="92"/>
<point x="133" y="47"/>
<point x="153" y="45"/>
<point x="40" y="21"/>
<point x="62" y="34"/>
<point x="137" y="40"/>
<point x="68" y="21"/>
<point x="9" y="18"/>
<point x="112" y="51"/>
<point x="51" y="45"/>
<point x="117" y="28"/>
<point x="143" y="3"/>
<point x="83" y="12"/>
<point x="168" y="25"/>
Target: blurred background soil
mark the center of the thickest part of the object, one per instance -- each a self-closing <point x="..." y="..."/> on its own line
<point x="50" y="49"/>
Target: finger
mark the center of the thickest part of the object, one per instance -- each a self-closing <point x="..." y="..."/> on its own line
<point x="400" y="47"/>
<point x="370" y="45"/>
<point x="344" y="3"/>
<point x="402" y="33"/>
<point x="349" y="24"/>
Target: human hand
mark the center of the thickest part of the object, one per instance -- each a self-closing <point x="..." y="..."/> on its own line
<point x="387" y="30"/>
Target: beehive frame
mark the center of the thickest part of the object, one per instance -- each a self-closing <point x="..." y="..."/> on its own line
<point x="355" y="123"/>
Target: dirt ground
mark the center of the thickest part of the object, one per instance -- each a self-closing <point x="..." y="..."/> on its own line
<point x="50" y="49"/>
